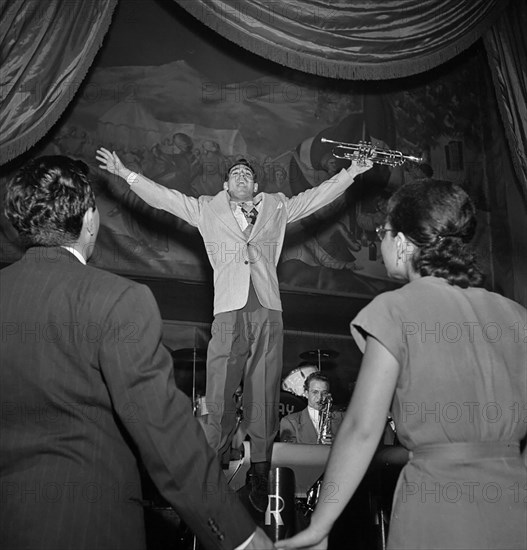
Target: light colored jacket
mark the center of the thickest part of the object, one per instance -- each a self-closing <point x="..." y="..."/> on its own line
<point x="235" y="258"/>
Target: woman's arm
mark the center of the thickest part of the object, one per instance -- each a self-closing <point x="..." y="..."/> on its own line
<point x="354" y="445"/>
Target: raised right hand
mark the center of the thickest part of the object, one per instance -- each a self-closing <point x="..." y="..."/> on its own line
<point x="110" y="162"/>
<point x="355" y="168"/>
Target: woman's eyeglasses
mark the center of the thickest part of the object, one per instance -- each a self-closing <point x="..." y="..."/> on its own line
<point x="381" y="231"/>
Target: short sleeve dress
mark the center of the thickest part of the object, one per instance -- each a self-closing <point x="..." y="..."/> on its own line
<point x="460" y="407"/>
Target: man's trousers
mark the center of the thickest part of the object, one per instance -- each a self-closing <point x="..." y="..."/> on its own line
<point x="246" y="347"/>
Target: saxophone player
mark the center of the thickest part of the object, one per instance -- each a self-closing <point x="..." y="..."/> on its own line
<point x="317" y="423"/>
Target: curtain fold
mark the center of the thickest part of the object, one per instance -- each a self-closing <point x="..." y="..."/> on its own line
<point x="506" y="47"/>
<point x="46" y="49"/>
<point x="359" y="39"/>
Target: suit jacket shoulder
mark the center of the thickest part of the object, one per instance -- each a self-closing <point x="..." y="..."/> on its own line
<point x="109" y="344"/>
<point x="297" y="427"/>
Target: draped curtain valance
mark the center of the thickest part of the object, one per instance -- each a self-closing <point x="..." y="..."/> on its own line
<point x="350" y="39"/>
<point x="47" y="46"/>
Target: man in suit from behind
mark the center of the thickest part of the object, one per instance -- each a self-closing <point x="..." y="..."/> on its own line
<point x="304" y="426"/>
<point x="87" y="389"/>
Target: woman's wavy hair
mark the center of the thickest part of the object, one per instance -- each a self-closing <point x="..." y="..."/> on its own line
<point x="47" y="199"/>
<point x="439" y="218"/>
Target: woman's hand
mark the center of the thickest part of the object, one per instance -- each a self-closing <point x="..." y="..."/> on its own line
<point x="309" y="539"/>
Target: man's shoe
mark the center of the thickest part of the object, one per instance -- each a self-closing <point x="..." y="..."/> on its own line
<point x="258" y="480"/>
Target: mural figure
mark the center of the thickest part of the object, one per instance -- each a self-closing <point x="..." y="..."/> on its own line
<point x="213" y="167"/>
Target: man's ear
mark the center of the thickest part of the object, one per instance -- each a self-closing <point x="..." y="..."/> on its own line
<point x="255" y="187"/>
<point x="225" y="185"/>
<point x="89" y="220"/>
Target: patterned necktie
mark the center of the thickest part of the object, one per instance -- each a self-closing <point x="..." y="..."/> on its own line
<point x="250" y="215"/>
<point x="249" y="211"/>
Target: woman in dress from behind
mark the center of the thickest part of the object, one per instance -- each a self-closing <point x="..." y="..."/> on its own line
<point x="449" y="360"/>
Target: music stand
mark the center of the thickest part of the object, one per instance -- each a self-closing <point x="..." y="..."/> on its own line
<point x="194" y="356"/>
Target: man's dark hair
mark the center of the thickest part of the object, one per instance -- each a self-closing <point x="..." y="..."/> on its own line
<point x="315" y="376"/>
<point x="242" y="162"/>
<point x="47" y="199"/>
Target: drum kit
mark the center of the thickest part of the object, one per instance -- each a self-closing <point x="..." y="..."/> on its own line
<point x="294" y="381"/>
<point x="189" y="370"/>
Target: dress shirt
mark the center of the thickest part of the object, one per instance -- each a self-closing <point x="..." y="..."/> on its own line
<point x="314" y="414"/>
<point x="76" y="253"/>
<point x="246" y="543"/>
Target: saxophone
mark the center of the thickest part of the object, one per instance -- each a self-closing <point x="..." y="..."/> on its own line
<point x="324" y="422"/>
<point x="324" y="431"/>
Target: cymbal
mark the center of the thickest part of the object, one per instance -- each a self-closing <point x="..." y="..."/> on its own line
<point x="189" y="354"/>
<point x="316" y="354"/>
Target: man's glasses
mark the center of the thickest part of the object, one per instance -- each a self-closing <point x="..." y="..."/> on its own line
<point x="381" y="231"/>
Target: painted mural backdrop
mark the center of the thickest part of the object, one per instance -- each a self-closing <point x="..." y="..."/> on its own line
<point x="180" y="128"/>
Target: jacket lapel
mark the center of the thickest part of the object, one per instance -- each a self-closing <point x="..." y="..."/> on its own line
<point x="221" y="208"/>
<point x="267" y="209"/>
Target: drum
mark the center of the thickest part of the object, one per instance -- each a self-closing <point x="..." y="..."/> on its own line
<point x="290" y="403"/>
<point x="294" y="381"/>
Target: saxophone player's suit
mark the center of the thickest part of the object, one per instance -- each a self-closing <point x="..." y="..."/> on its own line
<point x="297" y="427"/>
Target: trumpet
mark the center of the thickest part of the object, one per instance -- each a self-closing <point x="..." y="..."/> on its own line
<point x="364" y="150"/>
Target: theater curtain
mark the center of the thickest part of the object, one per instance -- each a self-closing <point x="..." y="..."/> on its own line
<point x="351" y="39"/>
<point x="47" y="46"/>
<point x="506" y="46"/>
<point x="383" y="39"/>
